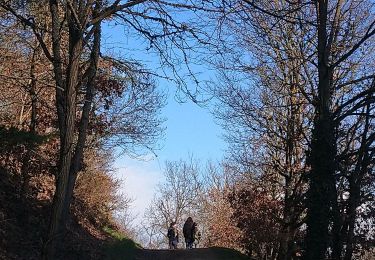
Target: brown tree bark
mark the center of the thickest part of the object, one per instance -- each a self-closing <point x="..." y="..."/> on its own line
<point x="82" y="131"/>
<point x="66" y="110"/>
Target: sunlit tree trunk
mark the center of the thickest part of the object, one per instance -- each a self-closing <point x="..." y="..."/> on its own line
<point x="66" y="98"/>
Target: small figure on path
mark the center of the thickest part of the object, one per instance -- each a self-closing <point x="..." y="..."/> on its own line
<point x="188" y="232"/>
<point x="196" y="234"/>
<point x="172" y="236"/>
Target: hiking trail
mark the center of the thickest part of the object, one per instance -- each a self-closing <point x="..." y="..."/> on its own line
<point x="214" y="253"/>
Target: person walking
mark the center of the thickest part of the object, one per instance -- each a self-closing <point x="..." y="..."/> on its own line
<point x="172" y="236"/>
<point x="196" y="234"/>
<point x="188" y="232"/>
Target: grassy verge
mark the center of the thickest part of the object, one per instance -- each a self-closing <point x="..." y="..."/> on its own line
<point x="120" y="247"/>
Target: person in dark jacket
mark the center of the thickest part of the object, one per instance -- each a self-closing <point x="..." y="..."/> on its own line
<point x="173" y="236"/>
<point x="188" y="232"/>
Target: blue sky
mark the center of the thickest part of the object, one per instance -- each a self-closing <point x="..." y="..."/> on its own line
<point x="190" y="129"/>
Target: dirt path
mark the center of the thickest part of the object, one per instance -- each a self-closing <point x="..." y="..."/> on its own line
<point x="193" y="254"/>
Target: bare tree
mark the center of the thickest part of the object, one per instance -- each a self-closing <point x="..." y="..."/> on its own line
<point x="176" y="199"/>
<point x="74" y="32"/>
<point x="268" y="118"/>
<point x="319" y="47"/>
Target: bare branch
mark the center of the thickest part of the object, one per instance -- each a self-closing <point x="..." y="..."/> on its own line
<point x="115" y="7"/>
<point x="30" y="23"/>
<point x="370" y="32"/>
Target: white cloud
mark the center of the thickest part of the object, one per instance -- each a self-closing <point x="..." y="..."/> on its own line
<point x="139" y="181"/>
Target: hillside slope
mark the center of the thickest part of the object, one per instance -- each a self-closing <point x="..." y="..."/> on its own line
<point x="24" y="222"/>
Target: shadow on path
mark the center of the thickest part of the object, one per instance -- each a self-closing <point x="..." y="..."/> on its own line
<point x="214" y="253"/>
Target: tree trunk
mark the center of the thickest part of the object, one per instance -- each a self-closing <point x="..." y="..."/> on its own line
<point x="71" y="153"/>
<point x="290" y="220"/>
<point x="322" y="170"/>
<point x="32" y="128"/>
<point x="78" y="154"/>
<point x="322" y="156"/>
<point x="285" y="248"/>
<point x="355" y="183"/>
<point x="66" y="103"/>
<point x="353" y="202"/>
<point x="33" y="95"/>
<point x="287" y="238"/>
<point x="288" y="229"/>
<point x="337" y="239"/>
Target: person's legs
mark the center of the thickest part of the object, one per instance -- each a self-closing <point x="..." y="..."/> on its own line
<point x="175" y="243"/>
<point x="187" y="241"/>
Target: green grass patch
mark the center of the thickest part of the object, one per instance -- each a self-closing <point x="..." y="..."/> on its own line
<point x="120" y="247"/>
